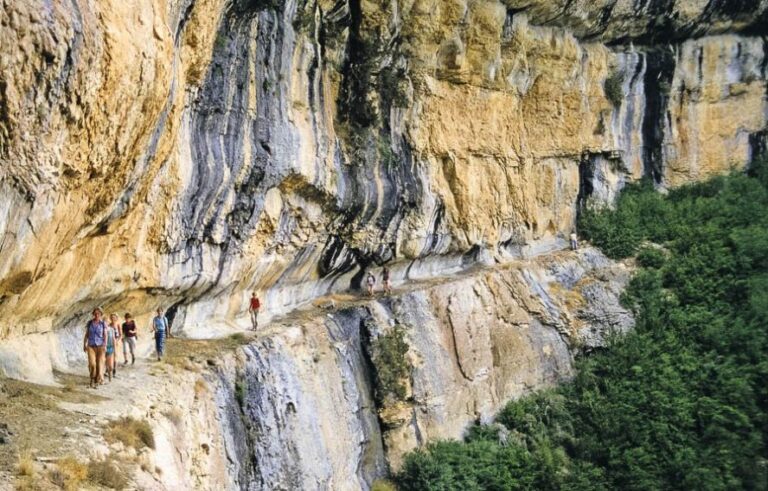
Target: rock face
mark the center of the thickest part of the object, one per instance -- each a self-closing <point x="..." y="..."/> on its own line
<point x="183" y="153"/>
<point x="301" y="407"/>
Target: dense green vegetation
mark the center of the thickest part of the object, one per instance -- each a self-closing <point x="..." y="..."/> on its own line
<point x="388" y="354"/>
<point x="679" y="403"/>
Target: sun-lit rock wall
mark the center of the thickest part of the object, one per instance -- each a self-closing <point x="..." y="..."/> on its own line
<point x="184" y="153"/>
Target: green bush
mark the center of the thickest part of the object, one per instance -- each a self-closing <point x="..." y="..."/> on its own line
<point x="613" y="89"/>
<point x="681" y="402"/>
<point x="240" y="393"/>
<point x="651" y="257"/>
<point x="640" y="214"/>
<point x="389" y="355"/>
<point x="382" y="485"/>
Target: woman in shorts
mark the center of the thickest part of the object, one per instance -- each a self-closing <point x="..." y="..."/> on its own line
<point x="113" y="336"/>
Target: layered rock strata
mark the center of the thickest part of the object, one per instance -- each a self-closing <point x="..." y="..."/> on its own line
<point x="185" y="153"/>
<point x="300" y="406"/>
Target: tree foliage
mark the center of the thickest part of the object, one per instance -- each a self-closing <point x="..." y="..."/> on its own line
<point x="681" y="402"/>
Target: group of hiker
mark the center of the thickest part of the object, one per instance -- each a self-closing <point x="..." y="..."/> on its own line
<point x="370" y="282"/>
<point x="103" y="338"/>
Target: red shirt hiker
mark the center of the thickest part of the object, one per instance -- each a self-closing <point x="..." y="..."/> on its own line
<point x="253" y="309"/>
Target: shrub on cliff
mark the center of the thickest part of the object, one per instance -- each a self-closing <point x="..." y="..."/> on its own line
<point x="613" y="89"/>
<point x="681" y="402"/>
<point x="388" y="353"/>
<point x="639" y="213"/>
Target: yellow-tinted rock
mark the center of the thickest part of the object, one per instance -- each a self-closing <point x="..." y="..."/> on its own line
<point x="156" y="155"/>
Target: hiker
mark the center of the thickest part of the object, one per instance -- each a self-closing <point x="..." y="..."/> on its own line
<point x="253" y="309"/>
<point x="370" y="281"/>
<point x="113" y="336"/>
<point x="94" y="344"/>
<point x="385" y="280"/>
<point x="574" y="241"/>
<point x="129" y="339"/>
<point x="159" y="327"/>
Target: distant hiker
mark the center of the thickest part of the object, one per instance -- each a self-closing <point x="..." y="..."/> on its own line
<point x="370" y="281"/>
<point x="574" y="241"/>
<point x="113" y="336"/>
<point x="385" y="280"/>
<point x="253" y="309"/>
<point x="159" y="327"/>
<point x="129" y="339"/>
<point x="94" y="344"/>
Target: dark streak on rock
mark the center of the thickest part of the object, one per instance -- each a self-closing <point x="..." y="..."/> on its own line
<point x="658" y="79"/>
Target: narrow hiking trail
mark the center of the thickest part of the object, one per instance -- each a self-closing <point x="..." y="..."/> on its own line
<point x="51" y="422"/>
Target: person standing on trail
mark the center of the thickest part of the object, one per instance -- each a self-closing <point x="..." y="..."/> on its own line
<point x="253" y="310"/>
<point x="385" y="280"/>
<point x="159" y="327"/>
<point x="94" y="344"/>
<point x="113" y="335"/>
<point x="574" y="241"/>
<point x="370" y="282"/>
<point x="129" y="339"/>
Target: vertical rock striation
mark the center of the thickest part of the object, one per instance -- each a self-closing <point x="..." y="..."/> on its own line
<point x="301" y="407"/>
<point x="184" y="153"/>
<point x="188" y="152"/>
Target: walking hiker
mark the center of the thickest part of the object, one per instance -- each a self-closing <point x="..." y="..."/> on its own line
<point x="370" y="282"/>
<point x="159" y="327"/>
<point x="113" y="335"/>
<point x="253" y="309"/>
<point x="94" y="344"/>
<point x="129" y="339"/>
<point x="574" y="241"/>
<point x="385" y="280"/>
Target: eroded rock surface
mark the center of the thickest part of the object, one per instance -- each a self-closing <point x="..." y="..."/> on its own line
<point x="185" y="153"/>
<point x="298" y="406"/>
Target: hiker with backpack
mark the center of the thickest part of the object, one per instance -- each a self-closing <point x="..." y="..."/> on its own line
<point x="94" y="344"/>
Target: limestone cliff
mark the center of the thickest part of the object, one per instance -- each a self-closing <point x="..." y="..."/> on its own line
<point x="187" y="152"/>
<point x="184" y="153"/>
<point x="305" y="404"/>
